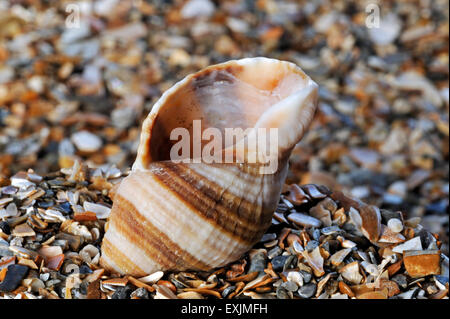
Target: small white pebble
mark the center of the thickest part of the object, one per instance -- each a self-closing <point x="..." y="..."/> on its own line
<point x="395" y="225"/>
<point x="295" y="277"/>
<point x="11" y="210"/>
<point x="36" y="83"/>
<point x="44" y="277"/>
<point x="86" y="141"/>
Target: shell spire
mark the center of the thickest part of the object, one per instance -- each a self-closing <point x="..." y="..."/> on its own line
<point x="191" y="213"/>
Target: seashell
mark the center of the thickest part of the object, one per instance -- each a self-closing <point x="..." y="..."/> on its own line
<point x="315" y="261"/>
<point x="412" y="244"/>
<point x="338" y="257"/>
<point x="350" y="272"/>
<point x="195" y="214"/>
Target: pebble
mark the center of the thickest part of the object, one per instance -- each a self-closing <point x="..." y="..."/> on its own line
<point x="197" y="9"/>
<point x="4" y="227"/>
<point x="65" y="207"/>
<point x="3" y="243"/>
<point x="304" y="220"/>
<point x="22" y="252"/>
<point x="439" y="207"/>
<point x="290" y="286"/>
<point x="330" y="230"/>
<point x="271" y="244"/>
<point x="84" y="269"/>
<point x="278" y="262"/>
<point x="9" y="190"/>
<point x="291" y="261"/>
<point x="312" y="244"/>
<point x="6" y="74"/>
<point x="66" y="148"/>
<point x="412" y="81"/>
<point x="122" y="293"/>
<point x="5" y="252"/>
<point x="123" y="117"/>
<point x="388" y="30"/>
<point x="10" y="211"/>
<point x="392" y="199"/>
<point x="268" y="237"/>
<point x="307" y="291"/>
<point x="257" y="261"/>
<point x="296" y="277"/>
<point x="140" y="293"/>
<point x="416" y="32"/>
<point x="345" y="289"/>
<point x="282" y="293"/>
<point x="442" y="279"/>
<point x="274" y="252"/>
<point x="34" y="284"/>
<point x="316" y="234"/>
<point x="228" y="291"/>
<point x="13" y="278"/>
<point x="399" y="188"/>
<point x="408" y="294"/>
<point x="36" y="83"/>
<point x="86" y="141"/>
<point x="401" y="280"/>
<point x="395" y="225"/>
<point x="306" y="276"/>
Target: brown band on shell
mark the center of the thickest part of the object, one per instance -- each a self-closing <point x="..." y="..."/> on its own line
<point x="212" y="210"/>
<point x="156" y="245"/>
<point x="249" y="212"/>
<point x="119" y="259"/>
<point x="211" y="75"/>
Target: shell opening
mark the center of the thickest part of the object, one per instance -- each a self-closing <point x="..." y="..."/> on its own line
<point x="232" y="95"/>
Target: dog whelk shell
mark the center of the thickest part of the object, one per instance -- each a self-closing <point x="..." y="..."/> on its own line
<point x="196" y="214"/>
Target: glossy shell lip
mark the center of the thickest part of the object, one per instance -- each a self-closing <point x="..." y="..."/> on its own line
<point x="279" y="80"/>
<point x="226" y="65"/>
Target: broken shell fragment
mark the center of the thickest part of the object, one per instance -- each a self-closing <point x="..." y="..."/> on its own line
<point x="14" y="275"/>
<point x="170" y="215"/>
<point x="351" y="273"/>
<point x="373" y="295"/>
<point x="338" y="257"/>
<point x="420" y="263"/>
<point x="389" y="236"/>
<point x="412" y="244"/>
<point x="345" y="289"/>
<point x="23" y="230"/>
<point x="366" y="217"/>
<point x="324" y="210"/>
<point x="304" y="220"/>
<point x="152" y="278"/>
<point x="391" y="286"/>
<point x="315" y="261"/>
<point x="296" y="195"/>
<point x="101" y="211"/>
